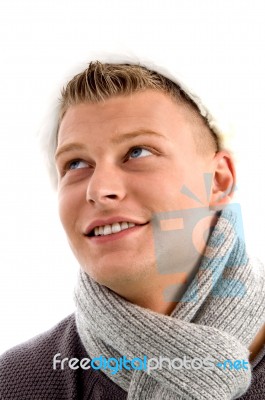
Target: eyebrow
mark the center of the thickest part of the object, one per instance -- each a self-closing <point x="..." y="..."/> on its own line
<point x="116" y="140"/>
<point x="68" y="147"/>
<point x="127" y="136"/>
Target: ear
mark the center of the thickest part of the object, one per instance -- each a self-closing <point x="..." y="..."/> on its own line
<point x="224" y="179"/>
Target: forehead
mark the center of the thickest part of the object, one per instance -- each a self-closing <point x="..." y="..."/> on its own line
<point x="149" y="110"/>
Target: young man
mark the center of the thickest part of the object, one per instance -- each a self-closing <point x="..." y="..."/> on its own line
<point x="169" y="305"/>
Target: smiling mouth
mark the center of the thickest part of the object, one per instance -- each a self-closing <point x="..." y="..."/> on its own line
<point x="116" y="227"/>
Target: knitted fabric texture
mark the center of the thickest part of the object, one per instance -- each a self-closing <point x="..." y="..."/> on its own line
<point x="218" y="317"/>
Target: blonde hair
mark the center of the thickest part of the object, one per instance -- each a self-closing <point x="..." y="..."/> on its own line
<point x="101" y="81"/>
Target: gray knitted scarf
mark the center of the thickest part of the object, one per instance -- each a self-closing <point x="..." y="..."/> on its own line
<point x="218" y="317"/>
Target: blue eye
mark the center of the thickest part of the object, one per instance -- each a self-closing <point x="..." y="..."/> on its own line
<point x="139" y="152"/>
<point x="77" y="164"/>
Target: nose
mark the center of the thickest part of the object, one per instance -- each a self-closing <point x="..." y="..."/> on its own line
<point x="106" y="187"/>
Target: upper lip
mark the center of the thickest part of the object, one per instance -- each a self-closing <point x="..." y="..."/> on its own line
<point x="110" y="221"/>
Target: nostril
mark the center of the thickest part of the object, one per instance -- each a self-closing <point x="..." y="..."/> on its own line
<point x="101" y="198"/>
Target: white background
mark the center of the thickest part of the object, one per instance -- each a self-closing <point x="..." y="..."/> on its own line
<point x="221" y="42"/>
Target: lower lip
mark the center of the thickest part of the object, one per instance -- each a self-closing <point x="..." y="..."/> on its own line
<point x="115" y="236"/>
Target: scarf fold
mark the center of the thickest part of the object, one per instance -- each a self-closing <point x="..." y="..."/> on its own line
<point x="218" y="317"/>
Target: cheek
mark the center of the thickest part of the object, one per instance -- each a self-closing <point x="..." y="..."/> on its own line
<point x="159" y="192"/>
<point x="68" y="202"/>
<point x="176" y="189"/>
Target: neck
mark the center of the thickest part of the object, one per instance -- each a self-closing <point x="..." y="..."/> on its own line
<point x="160" y="296"/>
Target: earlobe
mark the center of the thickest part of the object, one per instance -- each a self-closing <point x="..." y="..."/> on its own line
<point x="224" y="179"/>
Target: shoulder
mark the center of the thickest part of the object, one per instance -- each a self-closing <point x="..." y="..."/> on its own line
<point x="27" y="371"/>
<point x="41" y="346"/>
<point x="25" y="368"/>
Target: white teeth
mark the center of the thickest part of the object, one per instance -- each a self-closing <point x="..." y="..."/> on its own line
<point x="107" y="230"/>
<point x="124" y="225"/>
<point x="114" y="228"/>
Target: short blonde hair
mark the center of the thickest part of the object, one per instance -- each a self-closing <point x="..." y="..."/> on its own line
<point x="101" y="81"/>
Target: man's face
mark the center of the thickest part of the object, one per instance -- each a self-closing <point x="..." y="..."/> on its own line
<point x="123" y="160"/>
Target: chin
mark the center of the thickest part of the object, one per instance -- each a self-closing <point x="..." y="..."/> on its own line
<point x="117" y="275"/>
